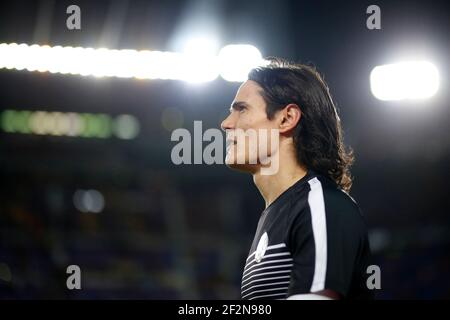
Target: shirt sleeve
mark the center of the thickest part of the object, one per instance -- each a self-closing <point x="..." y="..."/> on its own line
<point x="329" y="244"/>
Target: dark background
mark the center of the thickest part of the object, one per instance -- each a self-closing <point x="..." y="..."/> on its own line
<point x="170" y="232"/>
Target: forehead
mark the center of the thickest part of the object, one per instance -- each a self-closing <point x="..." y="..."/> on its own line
<point x="249" y="92"/>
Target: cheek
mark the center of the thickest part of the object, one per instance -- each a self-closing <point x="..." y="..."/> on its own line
<point x="244" y="122"/>
<point x="252" y="120"/>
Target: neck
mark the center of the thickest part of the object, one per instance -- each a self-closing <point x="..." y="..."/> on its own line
<point x="272" y="186"/>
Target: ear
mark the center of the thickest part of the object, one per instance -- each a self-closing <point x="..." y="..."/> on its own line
<point x="289" y="117"/>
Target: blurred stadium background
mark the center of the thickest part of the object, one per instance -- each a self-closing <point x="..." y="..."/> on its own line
<point x="108" y="198"/>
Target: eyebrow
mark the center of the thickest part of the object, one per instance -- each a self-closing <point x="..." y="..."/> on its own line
<point x="238" y="104"/>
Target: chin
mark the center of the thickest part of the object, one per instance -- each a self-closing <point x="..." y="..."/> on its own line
<point x="243" y="167"/>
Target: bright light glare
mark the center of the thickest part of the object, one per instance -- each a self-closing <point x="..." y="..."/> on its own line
<point x="405" y="80"/>
<point x="236" y="60"/>
<point x="198" y="62"/>
<point x="201" y="46"/>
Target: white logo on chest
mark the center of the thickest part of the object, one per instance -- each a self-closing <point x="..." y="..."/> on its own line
<point x="262" y="247"/>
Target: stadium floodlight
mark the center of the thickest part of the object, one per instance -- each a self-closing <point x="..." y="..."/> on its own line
<point x="236" y="60"/>
<point x="404" y="80"/>
<point x="201" y="46"/>
<point x="109" y="63"/>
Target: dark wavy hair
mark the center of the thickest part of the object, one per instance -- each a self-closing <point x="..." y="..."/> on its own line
<point x="318" y="136"/>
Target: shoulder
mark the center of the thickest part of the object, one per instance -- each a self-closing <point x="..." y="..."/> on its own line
<point x="325" y="200"/>
<point x="344" y="220"/>
<point x="335" y="198"/>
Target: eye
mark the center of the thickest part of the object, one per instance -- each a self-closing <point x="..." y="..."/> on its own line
<point x="238" y="107"/>
<point x="241" y="109"/>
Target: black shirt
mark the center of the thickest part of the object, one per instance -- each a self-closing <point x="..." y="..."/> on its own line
<point x="311" y="238"/>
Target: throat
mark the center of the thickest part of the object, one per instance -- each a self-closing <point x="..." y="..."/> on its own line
<point x="272" y="186"/>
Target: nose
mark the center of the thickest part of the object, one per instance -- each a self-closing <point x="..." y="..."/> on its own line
<point x="227" y="123"/>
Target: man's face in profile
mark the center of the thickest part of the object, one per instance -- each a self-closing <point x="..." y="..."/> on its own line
<point x="248" y="128"/>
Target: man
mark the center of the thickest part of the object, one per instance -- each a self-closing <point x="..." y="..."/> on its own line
<point x="311" y="240"/>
